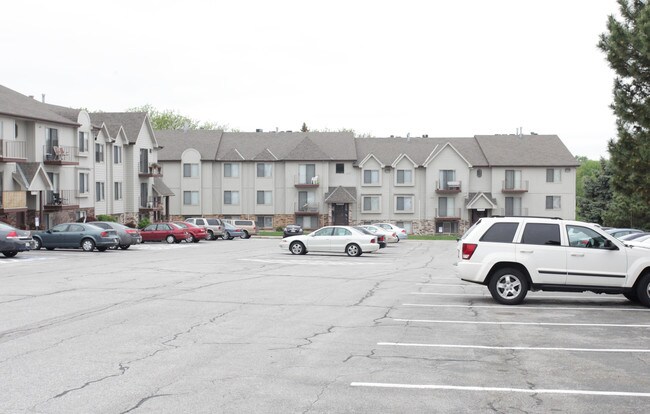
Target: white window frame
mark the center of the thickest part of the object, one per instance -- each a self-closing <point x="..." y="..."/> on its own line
<point x="193" y="170"/>
<point x="371" y="197"/>
<point x="117" y="187"/>
<point x="100" y="191"/>
<point x="117" y="154"/>
<point x="556" y="202"/>
<point x="405" y="197"/>
<point x="556" y="175"/>
<point x="193" y="198"/>
<point x="84" y="183"/>
<point x="99" y="153"/>
<point x="404" y="182"/>
<point x="83" y="142"/>
<point x="231" y="170"/>
<point x="267" y="170"/>
<point x="234" y="198"/>
<point x="377" y="176"/>
<point x="267" y="197"/>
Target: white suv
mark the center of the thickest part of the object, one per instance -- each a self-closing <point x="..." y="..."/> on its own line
<point x="511" y="255"/>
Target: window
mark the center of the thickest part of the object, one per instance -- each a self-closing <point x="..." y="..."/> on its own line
<point x="144" y="161"/>
<point x="513" y="179"/>
<point x="307" y="222"/>
<point x="84" y="183"/>
<point x="117" y="155"/>
<point x="371" y="177"/>
<point x="231" y="197"/>
<point x="2" y="130"/>
<point x="264" y="170"/>
<point x="15" y="130"/>
<point x="99" y="191"/>
<point x="191" y="198"/>
<point x="307" y="173"/>
<point x="190" y="170"/>
<point x="231" y="170"/>
<point x="584" y="237"/>
<point x="371" y="204"/>
<point x="83" y="141"/>
<point x="513" y="206"/>
<point x="404" y="204"/>
<point x="446" y="176"/>
<point x="264" y="197"/>
<point x="553" y="175"/>
<point x="405" y="177"/>
<point x="117" y="193"/>
<point x="264" y="222"/>
<point x="340" y="168"/>
<point x="542" y="234"/>
<point x="479" y="173"/>
<point x="500" y="233"/>
<point x="553" y="203"/>
<point x="99" y="153"/>
<point x="446" y="207"/>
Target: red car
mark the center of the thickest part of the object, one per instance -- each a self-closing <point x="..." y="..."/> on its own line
<point x="169" y="232"/>
<point x="196" y="233"/>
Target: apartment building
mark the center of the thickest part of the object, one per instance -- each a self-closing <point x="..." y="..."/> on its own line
<point x="423" y="184"/>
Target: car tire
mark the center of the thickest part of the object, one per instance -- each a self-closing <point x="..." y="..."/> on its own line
<point x="297" y="248"/>
<point x="230" y="237"/>
<point x="353" y="249"/>
<point x="87" y="245"/>
<point x="211" y="235"/>
<point x="49" y="248"/>
<point x="37" y="243"/>
<point x="196" y="240"/>
<point x="170" y="239"/>
<point x="191" y="239"/>
<point x="508" y="286"/>
<point x="10" y="254"/>
<point x="125" y="246"/>
<point x="631" y="296"/>
<point x="102" y="249"/>
<point x="643" y="290"/>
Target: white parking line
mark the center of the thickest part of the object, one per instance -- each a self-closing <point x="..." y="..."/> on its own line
<point x="498" y="389"/>
<point x="500" y="307"/>
<point x="516" y="348"/>
<point x="529" y="296"/>
<point x="609" y="325"/>
<point x="446" y="284"/>
<point x="336" y="262"/>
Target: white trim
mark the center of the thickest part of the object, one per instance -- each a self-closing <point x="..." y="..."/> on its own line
<point x="367" y="158"/>
<point x="448" y="144"/>
<point x="400" y="158"/>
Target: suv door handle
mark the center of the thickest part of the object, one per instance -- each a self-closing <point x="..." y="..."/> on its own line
<point x="526" y="251"/>
<point x="578" y="254"/>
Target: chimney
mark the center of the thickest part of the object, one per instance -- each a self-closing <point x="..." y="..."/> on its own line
<point x="31" y="96"/>
<point x="43" y="97"/>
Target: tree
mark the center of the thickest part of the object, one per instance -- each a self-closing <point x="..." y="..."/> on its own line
<point x="595" y="201"/>
<point x="627" y="46"/>
<point x="304" y="128"/>
<point x="169" y="119"/>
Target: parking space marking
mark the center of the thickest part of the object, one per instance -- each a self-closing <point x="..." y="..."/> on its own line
<point x="608" y="325"/>
<point x="516" y="348"/>
<point x="307" y="261"/>
<point x="499" y="389"/>
<point x="444" y="284"/>
<point x="529" y="296"/>
<point x="501" y="307"/>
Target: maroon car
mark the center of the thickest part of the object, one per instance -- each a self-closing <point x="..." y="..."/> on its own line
<point x="169" y="232"/>
<point x="196" y="233"/>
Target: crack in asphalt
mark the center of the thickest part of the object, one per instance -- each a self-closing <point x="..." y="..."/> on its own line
<point x="144" y="400"/>
<point x="368" y="294"/>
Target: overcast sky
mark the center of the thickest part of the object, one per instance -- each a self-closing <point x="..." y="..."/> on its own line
<point x="437" y="67"/>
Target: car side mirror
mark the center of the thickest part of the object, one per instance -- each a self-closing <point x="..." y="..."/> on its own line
<point x="609" y="245"/>
<point x="49" y="231"/>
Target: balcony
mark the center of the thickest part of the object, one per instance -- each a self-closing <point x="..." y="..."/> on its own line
<point x="514" y="188"/>
<point x="60" y="155"/>
<point x="515" y="212"/>
<point x="151" y="204"/>
<point x="12" y="151"/>
<point x="448" y="214"/>
<point x="449" y="187"/>
<point x="60" y="200"/>
<point x="150" y="170"/>
<point x="307" y="209"/>
<point x="306" y="182"/>
<point x="13" y="201"/>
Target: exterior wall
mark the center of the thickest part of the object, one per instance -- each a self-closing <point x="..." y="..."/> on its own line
<point x="191" y="184"/>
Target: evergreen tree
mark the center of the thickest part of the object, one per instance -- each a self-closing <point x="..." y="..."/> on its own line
<point x="627" y="46"/>
<point x="597" y="195"/>
<point x="304" y="127"/>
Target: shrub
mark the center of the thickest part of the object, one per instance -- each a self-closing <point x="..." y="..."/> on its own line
<point x="279" y="228"/>
<point x="144" y="223"/>
<point x="105" y="217"/>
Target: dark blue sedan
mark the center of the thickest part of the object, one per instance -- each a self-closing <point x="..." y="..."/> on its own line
<point x="74" y="236"/>
<point x="13" y="240"/>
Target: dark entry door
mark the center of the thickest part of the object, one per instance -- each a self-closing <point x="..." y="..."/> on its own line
<point x="476" y="214"/>
<point x="340" y="215"/>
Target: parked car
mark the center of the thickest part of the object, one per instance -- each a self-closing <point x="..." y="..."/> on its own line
<point x="127" y="235"/>
<point x="196" y="233"/>
<point x="512" y="255"/>
<point x="643" y="241"/>
<point x="343" y="239"/>
<point x="401" y="233"/>
<point x="389" y="235"/>
<point x="213" y="226"/>
<point x="633" y="236"/>
<point x="13" y="240"/>
<point x="247" y="226"/>
<point x="292" y="230"/>
<point x="231" y="232"/>
<point x="168" y="232"/>
<point x="76" y="235"/>
<point x="381" y="238"/>
<point x="622" y="232"/>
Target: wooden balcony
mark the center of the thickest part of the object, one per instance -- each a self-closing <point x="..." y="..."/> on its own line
<point x="151" y="204"/>
<point x="450" y="214"/>
<point x="12" y="151"/>
<point x="306" y="182"/>
<point x="13" y="201"/>
<point x="514" y="188"/>
<point x="151" y="170"/>
<point x="60" y="200"/>
<point x="449" y="187"/>
<point x="307" y="209"/>
<point x="60" y="155"/>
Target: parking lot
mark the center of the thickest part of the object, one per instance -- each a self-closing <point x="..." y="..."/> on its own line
<point x="241" y="326"/>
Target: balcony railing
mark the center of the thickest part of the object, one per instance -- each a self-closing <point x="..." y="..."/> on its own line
<point x="306" y="182"/>
<point x="449" y="187"/>
<point x="12" y="150"/>
<point x="517" y="187"/>
<point x="13" y="200"/>
<point x="307" y="208"/>
<point x="60" y="199"/>
<point x="450" y="213"/>
<point x="60" y="154"/>
<point x="514" y="212"/>
<point x="150" y="170"/>
<point x="151" y="203"/>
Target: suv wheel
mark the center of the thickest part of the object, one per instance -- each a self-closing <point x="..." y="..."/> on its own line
<point x="643" y="290"/>
<point x="508" y="286"/>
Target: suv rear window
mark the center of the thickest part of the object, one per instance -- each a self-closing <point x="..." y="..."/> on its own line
<point x="243" y="223"/>
<point x="500" y="233"/>
<point x="538" y="233"/>
<point x="213" y="222"/>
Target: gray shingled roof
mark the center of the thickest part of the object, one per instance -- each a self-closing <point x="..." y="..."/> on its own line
<point x="525" y="151"/>
<point x="161" y="188"/>
<point x="17" y="105"/>
<point x="174" y="142"/>
<point x="341" y="195"/>
<point x="69" y="113"/>
<point x="132" y="122"/>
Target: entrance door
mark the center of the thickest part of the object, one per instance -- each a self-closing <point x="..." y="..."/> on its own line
<point x="477" y="214"/>
<point x="340" y="215"/>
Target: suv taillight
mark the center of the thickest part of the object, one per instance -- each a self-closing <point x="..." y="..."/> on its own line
<point x="104" y="234"/>
<point x="468" y="250"/>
